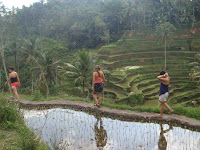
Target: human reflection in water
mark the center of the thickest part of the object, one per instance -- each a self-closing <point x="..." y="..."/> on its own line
<point x="100" y="133"/>
<point x="162" y="143"/>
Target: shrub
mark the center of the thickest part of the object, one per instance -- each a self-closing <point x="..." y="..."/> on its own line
<point x="65" y="90"/>
<point x="136" y="99"/>
<point x="133" y="100"/>
<point x="8" y="113"/>
<point x="196" y="44"/>
<point x="37" y="96"/>
<point x="26" y="91"/>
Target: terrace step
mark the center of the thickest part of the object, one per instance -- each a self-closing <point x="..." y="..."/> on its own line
<point x="185" y="96"/>
<point x="118" y="95"/>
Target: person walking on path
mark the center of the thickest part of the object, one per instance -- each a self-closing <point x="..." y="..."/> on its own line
<point x="15" y="82"/>
<point x="164" y="92"/>
<point x="98" y="84"/>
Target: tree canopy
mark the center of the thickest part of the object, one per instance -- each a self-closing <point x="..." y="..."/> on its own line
<point x="83" y="23"/>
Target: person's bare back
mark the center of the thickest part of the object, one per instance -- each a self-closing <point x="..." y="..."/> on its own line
<point x="13" y="74"/>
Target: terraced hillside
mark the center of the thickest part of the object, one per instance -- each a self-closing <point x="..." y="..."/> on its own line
<point x="134" y="64"/>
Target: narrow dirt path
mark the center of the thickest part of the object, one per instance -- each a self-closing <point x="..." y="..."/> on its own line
<point x="125" y="115"/>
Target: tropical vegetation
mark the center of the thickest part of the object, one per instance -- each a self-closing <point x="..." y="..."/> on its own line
<point x="54" y="46"/>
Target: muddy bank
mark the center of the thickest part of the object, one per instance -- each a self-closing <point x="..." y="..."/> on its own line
<point x="124" y="115"/>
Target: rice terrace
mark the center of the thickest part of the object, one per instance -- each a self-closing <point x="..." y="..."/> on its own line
<point x="100" y="75"/>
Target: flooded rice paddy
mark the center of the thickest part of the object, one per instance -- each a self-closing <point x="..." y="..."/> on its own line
<point x="67" y="129"/>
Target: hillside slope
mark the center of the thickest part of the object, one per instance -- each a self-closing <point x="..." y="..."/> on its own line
<point x="134" y="63"/>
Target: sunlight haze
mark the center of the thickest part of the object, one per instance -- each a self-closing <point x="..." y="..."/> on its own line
<point x="18" y="3"/>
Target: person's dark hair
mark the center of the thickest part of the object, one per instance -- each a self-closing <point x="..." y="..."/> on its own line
<point x="162" y="72"/>
<point x="11" y="68"/>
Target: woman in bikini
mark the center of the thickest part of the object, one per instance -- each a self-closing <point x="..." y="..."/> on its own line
<point x="97" y="84"/>
<point x="15" y="82"/>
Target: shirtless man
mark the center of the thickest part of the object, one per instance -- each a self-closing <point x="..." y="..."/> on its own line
<point x="15" y="82"/>
<point x="164" y="92"/>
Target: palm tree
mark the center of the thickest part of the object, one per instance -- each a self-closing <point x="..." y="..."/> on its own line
<point x="128" y="10"/>
<point x="32" y="53"/>
<point x="195" y="71"/>
<point x="106" y="36"/>
<point x="3" y="30"/>
<point x="81" y="69"/>
<point x="164" y="34"/>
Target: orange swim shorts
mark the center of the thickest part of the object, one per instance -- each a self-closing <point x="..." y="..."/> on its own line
<point x="15" y="84"/>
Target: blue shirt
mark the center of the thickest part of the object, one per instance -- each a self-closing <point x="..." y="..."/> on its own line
<point x="163" y="89"/>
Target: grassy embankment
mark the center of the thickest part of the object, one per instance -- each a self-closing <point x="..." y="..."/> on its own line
<point x="14" y="135"/>
<point x="192" y="112"/>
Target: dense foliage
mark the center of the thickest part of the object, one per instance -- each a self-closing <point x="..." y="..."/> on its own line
<point x="87" y="23"/>
<point x="37" y="39"/>
<point x="13" y="129"/>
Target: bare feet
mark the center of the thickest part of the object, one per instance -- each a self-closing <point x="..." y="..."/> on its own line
<point x="171" y="112"/>
<point x="160" y="116"/>
<point x="98" y="105"/>
<point x="11" y="97"/>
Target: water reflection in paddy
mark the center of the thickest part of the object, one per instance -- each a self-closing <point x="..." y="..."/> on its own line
<point x="72" y="130"/>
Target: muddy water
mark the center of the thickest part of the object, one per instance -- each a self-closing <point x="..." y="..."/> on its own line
<point x="73" y="130"/>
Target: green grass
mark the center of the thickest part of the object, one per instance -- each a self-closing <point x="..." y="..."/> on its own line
<point x="139" y="43"/>
<point x="145" y="54"/>
<point x="119" y="95"/>
<point x="192" y="112"/>
<point x="127" y="82"/>
<point x="14" y="135"/>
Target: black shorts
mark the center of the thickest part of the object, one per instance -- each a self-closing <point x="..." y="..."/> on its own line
<point x="98" y="87"/>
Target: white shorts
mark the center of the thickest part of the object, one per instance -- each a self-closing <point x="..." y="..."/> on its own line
<point x="164" y="97"/>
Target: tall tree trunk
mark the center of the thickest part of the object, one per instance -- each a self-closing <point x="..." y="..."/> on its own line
<point x="47" y="86"/>
<point x="144" y="14"/>
<point x="165" y="53"/>
<point x="193" y="13"/>
<point x="16" y="60"/>
<point x="3" y="61"/>
<point x="32" y="85"/>
<point x="83" y="86"/>
<point x="118" y="27"/>
<point x="149" y="22"/>
<point x="77" y="42"/>
<point x="0" y="77"/>
<point x="131" y="25"/>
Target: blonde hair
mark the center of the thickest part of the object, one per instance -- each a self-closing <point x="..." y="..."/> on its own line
<point x="97" y="69"/>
